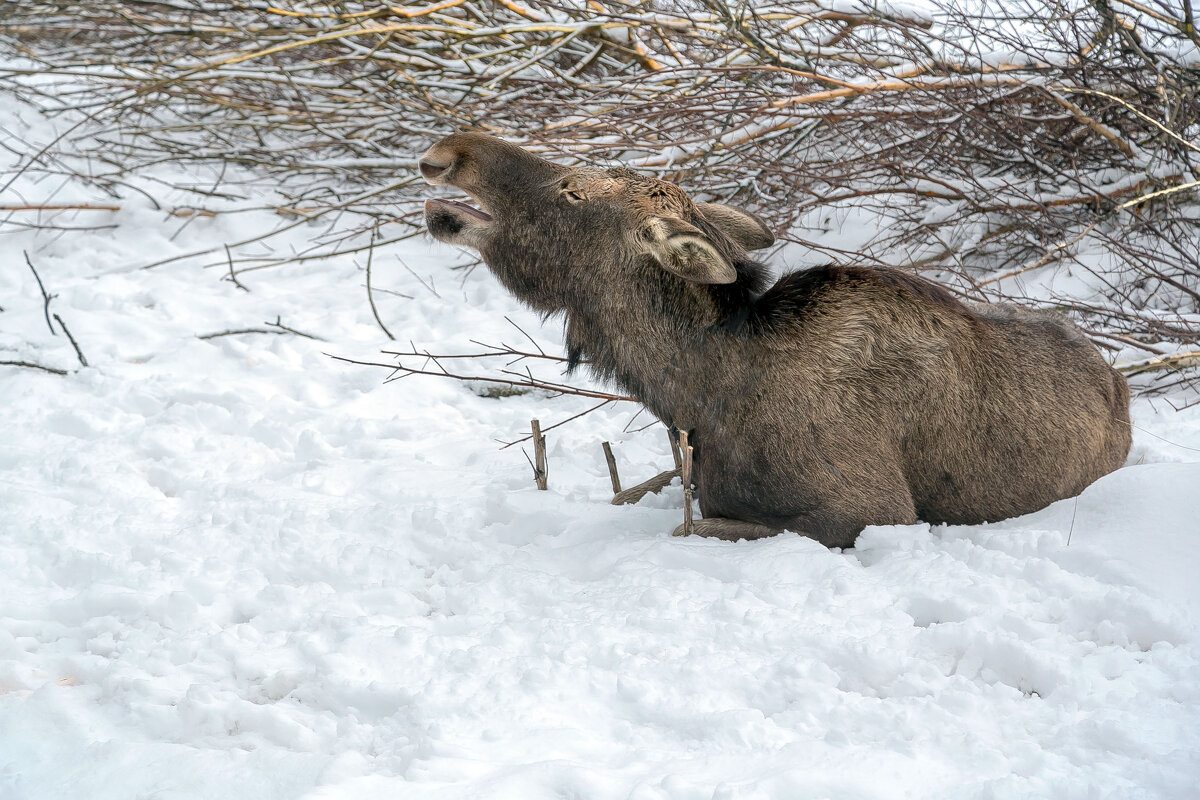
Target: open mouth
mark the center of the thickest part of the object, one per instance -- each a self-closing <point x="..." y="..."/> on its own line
<point x="455" y="222"/>
<point x="460" y="209"/>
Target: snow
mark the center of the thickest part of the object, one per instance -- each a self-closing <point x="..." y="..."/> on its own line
<point x="237" y="568"/>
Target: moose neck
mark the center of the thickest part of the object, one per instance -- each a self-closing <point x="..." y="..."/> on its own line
<point x="651" y="337"/>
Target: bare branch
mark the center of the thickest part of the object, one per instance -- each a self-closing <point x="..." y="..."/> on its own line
<point x="71" y="339"/>
<point x="46" y="296"/>
<point x="32" y="365"/>
<point x="370" y="297"/>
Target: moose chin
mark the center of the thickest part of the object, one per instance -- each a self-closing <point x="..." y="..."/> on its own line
<point x="839" y="397"/>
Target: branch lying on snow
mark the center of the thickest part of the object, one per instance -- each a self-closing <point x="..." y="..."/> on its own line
<point x="180" y="211"/>
<point x="1176" y="361"/>
<point x="60" y="207"/>
<point x="276" y="328"/>
<point x="32" y="365"/>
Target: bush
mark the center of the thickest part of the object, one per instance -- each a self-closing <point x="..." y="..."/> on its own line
<point x="995" y="143"/>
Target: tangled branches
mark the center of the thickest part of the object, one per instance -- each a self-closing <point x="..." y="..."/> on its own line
<point x="1039" y="151"/>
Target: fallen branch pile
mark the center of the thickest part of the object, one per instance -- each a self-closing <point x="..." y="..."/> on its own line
<point x="1005" y="146"/>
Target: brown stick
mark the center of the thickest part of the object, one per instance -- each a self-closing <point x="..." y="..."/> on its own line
<point x="686" y="475"/>
<point x="1175" y="361"/>
<point x="674" y="449"/>
<point x="539" y="456"/>
<point x="612" y="468"/>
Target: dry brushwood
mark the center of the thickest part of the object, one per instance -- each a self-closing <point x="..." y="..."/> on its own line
<point x="1075" y="152"/>
<point x="489" y="373"/>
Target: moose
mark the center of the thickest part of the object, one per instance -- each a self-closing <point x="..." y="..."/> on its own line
<point x="839" y="397"/>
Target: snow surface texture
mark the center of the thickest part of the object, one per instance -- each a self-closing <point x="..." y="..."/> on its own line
<point x="236" y="568"/>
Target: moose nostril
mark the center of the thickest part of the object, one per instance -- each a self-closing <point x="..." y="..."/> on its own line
<point x="431" y="170"/>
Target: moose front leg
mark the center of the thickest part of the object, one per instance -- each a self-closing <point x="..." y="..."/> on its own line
<point x="654" y="485"/>
<point x="731" y="530"/>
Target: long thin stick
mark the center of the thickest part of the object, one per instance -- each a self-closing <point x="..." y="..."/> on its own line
<point x="674" y="449"/>
<point x="612" y="468"/>
<point x="1175" y="361"/>
<point x="686" y="475"/>
<point x="571" y="418"/>
<point x="32" y="365"/>
<point x="232" y="272"/>
<point x="71" y="339"/>
<point x="60" y="207"/>
<point x="46" y="296"/>
<point x="527" y="383"/>
<point x="539" y="456"/>
<point x="370" y="297"/>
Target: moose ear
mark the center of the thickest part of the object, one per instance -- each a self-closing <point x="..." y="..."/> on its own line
<point x="741" y="226"/>
<point x="682" y="249"/>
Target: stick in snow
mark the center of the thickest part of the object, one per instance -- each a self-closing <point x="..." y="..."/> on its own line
<point x="686" y="475"/>
<point x="539" y="456"/>
<point x="612" y="468"/>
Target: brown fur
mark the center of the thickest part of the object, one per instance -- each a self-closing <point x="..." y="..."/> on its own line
<point x="838" y="398"/>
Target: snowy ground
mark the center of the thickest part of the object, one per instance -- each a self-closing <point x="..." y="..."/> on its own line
<point x="236" y="568"/>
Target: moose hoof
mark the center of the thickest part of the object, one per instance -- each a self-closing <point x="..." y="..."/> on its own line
<point x="731" y="530"/>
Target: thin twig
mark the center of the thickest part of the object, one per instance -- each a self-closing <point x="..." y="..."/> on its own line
<point x="278" y="324"/>
<point x="571" y="418"/>
<point x="46" y="297"/>
<point x="275" y="328"/>
<point x="495" y="351"/>
<point x="418" y="277"/>
<point x="522" y="382"/>
<point x="526" y="335"/>
<point x="71" y="339"/>
<point x="240" y="332"/>
<point x="370" y="298"/>
<point x="32" y="365"/>
<point x="60" y="207"/>
<point x="233" y="273"/>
